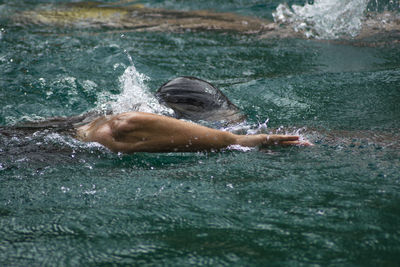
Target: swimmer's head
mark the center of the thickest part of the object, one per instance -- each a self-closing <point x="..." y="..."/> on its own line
<point x="194" y="99"/>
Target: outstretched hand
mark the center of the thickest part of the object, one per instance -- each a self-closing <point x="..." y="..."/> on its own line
<point x="285" y="140"/>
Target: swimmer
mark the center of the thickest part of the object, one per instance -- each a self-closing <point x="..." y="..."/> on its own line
<point x="191" y="98"/>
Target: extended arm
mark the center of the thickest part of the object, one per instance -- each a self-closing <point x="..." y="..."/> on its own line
<point x="144" y="132"/>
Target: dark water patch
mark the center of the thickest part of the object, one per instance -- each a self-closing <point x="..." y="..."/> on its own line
<point x="35" y="70"/>
<point x="258" y="215"/>
<point x="365" y="100"/>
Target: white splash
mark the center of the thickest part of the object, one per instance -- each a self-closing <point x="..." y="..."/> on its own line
<point x="325" y="19"/>
<point x="240" y="148"/>
<point x="135" y="95"/>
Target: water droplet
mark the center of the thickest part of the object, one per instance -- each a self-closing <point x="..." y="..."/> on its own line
<point x="65" y="189"/>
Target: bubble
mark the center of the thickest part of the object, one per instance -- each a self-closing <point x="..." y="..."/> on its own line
<point x="65" y="189"/>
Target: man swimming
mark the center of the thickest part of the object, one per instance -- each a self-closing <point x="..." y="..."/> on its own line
<point x="190" y="98"/>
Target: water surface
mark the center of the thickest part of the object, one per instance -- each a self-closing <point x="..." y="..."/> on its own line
<point x="63" y="202"/>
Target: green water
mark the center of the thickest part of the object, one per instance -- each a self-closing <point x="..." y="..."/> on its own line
<point x="65" y="203"/>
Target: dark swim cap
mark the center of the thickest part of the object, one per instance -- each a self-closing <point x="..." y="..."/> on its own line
<point x="194" y="99"/>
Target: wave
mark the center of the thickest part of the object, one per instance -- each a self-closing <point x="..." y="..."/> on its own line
<point x="324" y="19"/>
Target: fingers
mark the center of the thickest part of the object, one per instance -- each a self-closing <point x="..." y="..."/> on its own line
<point x="274" y="138"/>
<point x="297" y="143"/>
<point x="286" y="140"/>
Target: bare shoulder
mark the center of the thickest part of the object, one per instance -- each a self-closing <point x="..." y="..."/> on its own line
<point x="135" y="116"/>
<point x="133" y="123"/>
<point x="129" y="121"/>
